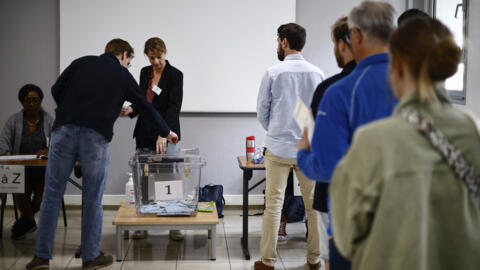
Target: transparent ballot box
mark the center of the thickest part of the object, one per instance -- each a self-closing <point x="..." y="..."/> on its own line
<point x="167" y="185"/>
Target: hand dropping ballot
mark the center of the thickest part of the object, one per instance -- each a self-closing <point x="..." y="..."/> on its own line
<point x="303" y="117"/>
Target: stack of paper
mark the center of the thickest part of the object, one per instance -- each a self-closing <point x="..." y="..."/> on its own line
<point x="17" y="157"/>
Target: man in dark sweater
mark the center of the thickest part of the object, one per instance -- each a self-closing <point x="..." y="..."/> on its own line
<point x="344" y="57"/>
<point x="89" y="95"/>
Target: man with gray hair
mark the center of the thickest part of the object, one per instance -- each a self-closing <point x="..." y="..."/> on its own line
<point x="359" y="98"/>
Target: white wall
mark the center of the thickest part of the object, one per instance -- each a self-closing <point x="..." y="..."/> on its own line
<point x="473" y="61"/>
<point x="28" y="51"/>
<point x="209" y="41"/>
<point x="318" y="17"/>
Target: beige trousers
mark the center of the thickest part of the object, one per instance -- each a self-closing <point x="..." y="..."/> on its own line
<point x="277" y="170"/>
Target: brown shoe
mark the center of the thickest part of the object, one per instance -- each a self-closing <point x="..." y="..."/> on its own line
<point x="259" y="265"/>
<point x="100" y="262"/>
<point x="314" y="266"/>
<point x="38" y="264"/>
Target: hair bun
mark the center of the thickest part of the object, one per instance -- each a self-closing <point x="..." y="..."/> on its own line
<point x="443" y="60"/>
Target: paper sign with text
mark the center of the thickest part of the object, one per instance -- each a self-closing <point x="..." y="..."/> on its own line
<point x="169" y="190"/>
<point x="12" y="179"/>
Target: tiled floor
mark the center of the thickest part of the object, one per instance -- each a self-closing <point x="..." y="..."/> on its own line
<point x="157" y="251"/>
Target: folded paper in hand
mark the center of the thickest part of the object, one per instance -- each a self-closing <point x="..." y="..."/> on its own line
<point x="303" y="116"/>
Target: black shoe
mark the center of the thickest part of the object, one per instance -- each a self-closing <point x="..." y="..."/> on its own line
<point x="38" y="264"/>
<point x="99" y="262"/>
<point x="22" y="227"/>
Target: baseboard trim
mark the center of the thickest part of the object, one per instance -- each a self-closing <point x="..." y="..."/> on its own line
<point x="253" y="199"/>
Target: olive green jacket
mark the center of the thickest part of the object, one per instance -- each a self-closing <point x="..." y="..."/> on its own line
<point x="397" y="205"/>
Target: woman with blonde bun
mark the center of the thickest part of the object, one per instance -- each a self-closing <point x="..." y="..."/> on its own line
<point x="406" y="195"/>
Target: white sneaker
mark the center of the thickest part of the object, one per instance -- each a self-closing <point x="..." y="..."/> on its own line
<point x="176" y="235"/>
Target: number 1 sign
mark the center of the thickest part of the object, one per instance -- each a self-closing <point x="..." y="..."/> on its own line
<point x="169" y="190"/>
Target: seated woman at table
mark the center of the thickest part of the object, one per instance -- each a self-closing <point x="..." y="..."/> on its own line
<point x="28" y="132"/>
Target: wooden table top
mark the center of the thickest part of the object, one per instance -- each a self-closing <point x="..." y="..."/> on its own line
<point x="33" y="162"/>
<point x="29" y="162"/>
<point x="129" y="216"/>
<point x="243" y="164"/>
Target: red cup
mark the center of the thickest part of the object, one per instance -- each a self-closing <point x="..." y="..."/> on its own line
<point x="250" y="148"/>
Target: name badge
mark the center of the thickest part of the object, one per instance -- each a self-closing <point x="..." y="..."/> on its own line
<point x="157" y="90"/>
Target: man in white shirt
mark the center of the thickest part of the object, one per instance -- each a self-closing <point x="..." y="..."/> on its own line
<point x="281" y="86"/>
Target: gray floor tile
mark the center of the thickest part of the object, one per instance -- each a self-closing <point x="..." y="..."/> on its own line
<point x="203" y="265"/>
<point x="235" y="242"/>
<point x="157" y="251"/>
<point x="192" y="252"/>
<point x="242" y="265"/>
<point x="294" y="254"/>
<point x="149" y="265"/>
<point x="151" y="254"/>
<point x="237" y="255"/>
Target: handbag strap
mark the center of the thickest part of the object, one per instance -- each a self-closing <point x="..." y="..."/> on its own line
<point x="454" y="157"/>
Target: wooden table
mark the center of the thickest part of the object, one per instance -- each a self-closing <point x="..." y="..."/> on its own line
<point x="128" y="219"/>
<point x="248" y="168"/>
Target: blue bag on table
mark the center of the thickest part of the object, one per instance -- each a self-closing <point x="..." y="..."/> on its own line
<point x="214" y="193"/>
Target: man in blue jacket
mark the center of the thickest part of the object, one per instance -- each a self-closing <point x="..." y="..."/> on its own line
<point x="344" y="56"/>
<point x="89" y="95"/>
<point x="359" y="98"/>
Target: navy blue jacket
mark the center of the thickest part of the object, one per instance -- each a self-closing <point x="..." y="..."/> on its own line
<point x="90" y="93"/>
<point x="357" y="99"/>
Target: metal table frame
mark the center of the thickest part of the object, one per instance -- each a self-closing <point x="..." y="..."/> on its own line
<point x="247" y="169"/>
<point x="211" y="228"/>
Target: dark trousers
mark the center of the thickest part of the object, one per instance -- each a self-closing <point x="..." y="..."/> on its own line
<point x="29" y="202"/>
<point x="337" y="261"/>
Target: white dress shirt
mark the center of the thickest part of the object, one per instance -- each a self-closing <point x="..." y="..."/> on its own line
<point x="281" y="86"/>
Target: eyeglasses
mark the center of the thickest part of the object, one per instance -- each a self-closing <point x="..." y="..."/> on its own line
<point x="32" y="100"/>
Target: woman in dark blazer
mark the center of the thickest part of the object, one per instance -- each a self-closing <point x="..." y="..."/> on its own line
<point x="162" y="84"/>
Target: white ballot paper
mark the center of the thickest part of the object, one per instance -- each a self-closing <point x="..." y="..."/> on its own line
<point x="17" y="157"/>
<point x="303" y="117"/>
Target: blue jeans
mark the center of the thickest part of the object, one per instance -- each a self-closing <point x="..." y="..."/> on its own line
<point x="70" y="143"/>
<point x="337" y="261"/>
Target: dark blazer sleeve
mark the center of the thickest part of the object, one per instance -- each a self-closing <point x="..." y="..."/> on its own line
<point x="144" y="79"/>
<point x="144" y="107"/>
<point x="317" y="96"/>
<point x="174" y="99"/>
